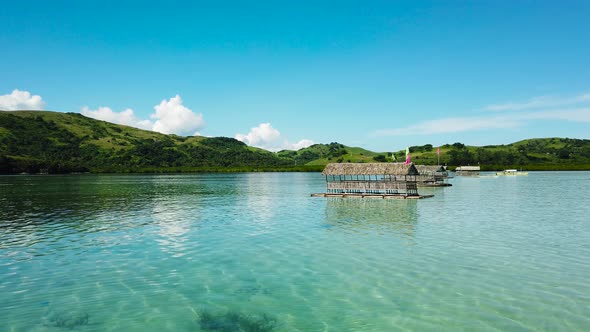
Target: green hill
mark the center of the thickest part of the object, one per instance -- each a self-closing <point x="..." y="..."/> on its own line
<point x="532" y="154"/>
<point x="322" y="154"/>
<point x="53" y="142"/>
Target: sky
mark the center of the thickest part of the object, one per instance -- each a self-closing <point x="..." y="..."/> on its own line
<point x="381" y="75"/>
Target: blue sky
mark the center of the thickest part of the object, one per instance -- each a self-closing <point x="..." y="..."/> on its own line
<point x="377" y="74"/>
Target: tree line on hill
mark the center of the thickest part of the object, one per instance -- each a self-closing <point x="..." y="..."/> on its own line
<point x="40" y="142"/>
<point x="546" y="153"/>
<point x="34" y="145"/>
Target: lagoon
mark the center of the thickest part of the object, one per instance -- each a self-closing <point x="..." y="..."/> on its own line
<point x="160" y="252"/>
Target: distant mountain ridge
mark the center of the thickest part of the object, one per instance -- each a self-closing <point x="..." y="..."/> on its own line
<point x="53" y="142"/>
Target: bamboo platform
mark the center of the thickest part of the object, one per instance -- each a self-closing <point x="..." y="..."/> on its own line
<point x="382" y="196"/>
<point x="433" y="184"/>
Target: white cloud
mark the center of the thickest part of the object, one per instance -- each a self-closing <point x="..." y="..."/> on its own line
<point x="173" y="117"/>
<point x="450" y="125"/>
<point x="537" y="108"/>
<point x="21" y="100"/>
<point x="263" y="135"/>
<point x="266" y="137"/>
<point x="574" y="115"/>
<point x="125" y="117"/>
<point x="540" y="102"/>
<point x="301" y="144"/>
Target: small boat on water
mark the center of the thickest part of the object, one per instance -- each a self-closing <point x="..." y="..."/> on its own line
<point x="512" y="172"/>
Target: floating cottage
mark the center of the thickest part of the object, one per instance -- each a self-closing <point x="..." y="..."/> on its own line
<point x="371" y="180"/>
<point x="467" y="170"/>
<point x="432" y="176"/>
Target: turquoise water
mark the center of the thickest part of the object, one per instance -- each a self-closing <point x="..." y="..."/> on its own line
<point x="168" y="252"/>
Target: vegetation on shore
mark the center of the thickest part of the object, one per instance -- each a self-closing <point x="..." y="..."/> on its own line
<point x="53" y="142"/>
<point x="537" y="154"/>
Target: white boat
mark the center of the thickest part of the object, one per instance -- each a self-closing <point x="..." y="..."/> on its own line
<point x="512" y="172"/>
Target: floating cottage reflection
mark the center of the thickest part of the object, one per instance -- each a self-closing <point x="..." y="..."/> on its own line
<point x="371" y="180"/>
<point x="384" y="217"/>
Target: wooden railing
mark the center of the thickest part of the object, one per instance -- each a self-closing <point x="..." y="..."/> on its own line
<point x="376" y="187"/>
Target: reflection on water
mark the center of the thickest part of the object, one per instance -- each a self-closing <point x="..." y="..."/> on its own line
<point x="198" y="252"/>
<point x="381" y="216"/>
<point x="260" y="188"/>
<point x="172" y="226"/>
<point x="54" y="207"/>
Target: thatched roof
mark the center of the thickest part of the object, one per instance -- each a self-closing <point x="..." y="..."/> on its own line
<point x="370" y="169"/>
<point x="428" y="169"/>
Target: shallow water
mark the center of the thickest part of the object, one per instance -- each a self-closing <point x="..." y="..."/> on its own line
<point x="157" y="252"/>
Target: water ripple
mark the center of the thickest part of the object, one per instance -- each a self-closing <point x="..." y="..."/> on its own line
<point x="154" y="252"/>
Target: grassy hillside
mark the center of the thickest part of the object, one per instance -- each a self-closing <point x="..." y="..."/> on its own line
<point x="322" y="154"/>
<point x="531" y="154"/>
<point x="52" y="142"/>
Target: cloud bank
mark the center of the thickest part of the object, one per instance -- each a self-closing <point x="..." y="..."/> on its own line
<point x="538" y="108"/>
<point x="450" y="125"/>
<point x="170" y="117"/>
<point x="266" y="137"/>
<point x="540" y="102"/>
<point x="21" y="100"/>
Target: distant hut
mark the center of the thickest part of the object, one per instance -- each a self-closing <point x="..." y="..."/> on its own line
<point x="372" y="178"/>
<point x="467" y="170"/>
<point x="432" y="175"/>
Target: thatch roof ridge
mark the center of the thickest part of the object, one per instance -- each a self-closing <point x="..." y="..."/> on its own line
<point x="370" y="169"/>
<point x="429" y="169"/>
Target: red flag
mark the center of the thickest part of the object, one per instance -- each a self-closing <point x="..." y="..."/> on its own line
<point x="438" y="151"/>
